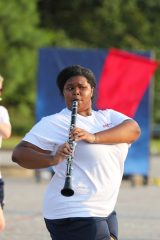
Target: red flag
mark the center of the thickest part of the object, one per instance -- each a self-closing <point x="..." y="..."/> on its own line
<point x="123" y="81"/>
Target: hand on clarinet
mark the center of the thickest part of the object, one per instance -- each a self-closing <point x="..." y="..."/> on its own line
<point x="63" y="152"/>
<point x="78" y="134"/>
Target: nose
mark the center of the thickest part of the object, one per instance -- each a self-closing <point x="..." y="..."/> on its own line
<point x="76" y="91"/>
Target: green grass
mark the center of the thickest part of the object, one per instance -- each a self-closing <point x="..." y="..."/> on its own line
<point x="11" y="142"/>
<point x="155" y="146"/>
<point x="14" y="140"/>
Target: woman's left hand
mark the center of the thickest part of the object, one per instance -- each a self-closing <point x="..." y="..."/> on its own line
<point x="78" y="134"/>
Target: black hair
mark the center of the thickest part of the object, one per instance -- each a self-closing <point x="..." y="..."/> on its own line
<point x="75" y="70"/>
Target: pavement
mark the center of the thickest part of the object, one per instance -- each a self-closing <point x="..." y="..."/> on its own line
<point x="138" y="206"/>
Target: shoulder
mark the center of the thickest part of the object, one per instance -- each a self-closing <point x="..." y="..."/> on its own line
<point x="3" y="109"/>
<point x="105" y="112"/>
<point x="112" y="116"/>
<point x="63" y="114"/>
<point x="4" y="116"/>
<point x="111" y="113"/>
<point x="52" y="120"/>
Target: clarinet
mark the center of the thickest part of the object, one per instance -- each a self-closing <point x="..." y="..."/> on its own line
<point x="67" y="190"/>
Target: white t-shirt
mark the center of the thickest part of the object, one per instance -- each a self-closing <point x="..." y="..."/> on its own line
<point x="97" y="168"/>
<point x="4" y="118"/>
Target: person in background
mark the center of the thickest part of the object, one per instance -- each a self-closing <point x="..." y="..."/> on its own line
<point x="102" y="139"/>
<point x="5" y="132"/>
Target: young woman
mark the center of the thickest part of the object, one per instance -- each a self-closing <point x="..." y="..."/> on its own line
<point x="102" y="141"/>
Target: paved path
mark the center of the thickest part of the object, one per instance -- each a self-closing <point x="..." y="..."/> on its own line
<point x="138" y="209"/>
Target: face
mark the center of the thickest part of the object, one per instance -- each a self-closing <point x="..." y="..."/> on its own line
<point x="78" y="88"/>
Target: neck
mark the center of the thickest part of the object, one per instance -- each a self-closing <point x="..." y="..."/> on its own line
<point x="85" y="113"/>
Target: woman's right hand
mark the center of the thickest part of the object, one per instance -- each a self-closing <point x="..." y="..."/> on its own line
<point x="62" y="153"/>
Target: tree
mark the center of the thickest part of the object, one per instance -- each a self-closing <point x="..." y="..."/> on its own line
<point x="118" y="23"/>
<point x="20" y="38"/>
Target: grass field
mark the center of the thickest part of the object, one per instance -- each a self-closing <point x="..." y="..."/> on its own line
<point x="11" y="142"/>
<point x="155" y="146"/>
<point x="14" y="140"/>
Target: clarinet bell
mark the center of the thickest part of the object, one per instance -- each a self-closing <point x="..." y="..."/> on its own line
<point x="67" y="191"/>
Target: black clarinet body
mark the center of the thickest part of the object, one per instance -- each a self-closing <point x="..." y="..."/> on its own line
<point x="67" y="190"/>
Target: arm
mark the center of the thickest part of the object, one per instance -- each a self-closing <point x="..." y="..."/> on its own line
<point x="30" y="156"/>
<point x="2" y="220"/>
<point x="5" y="130"/>
<point x="126" y="132"/>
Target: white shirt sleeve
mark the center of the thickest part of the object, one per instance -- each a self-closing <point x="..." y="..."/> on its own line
<point x="117" y="117"/>
<point x="39" y="135"/>
<point x="4" y="116"/>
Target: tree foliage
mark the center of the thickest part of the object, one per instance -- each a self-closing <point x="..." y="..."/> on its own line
<point x="20" y="37"/>
<point x="118" y="23"/>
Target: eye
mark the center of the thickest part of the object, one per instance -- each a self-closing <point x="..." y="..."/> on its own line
<point x="83" y="87"/>
<point x="68" y="89"/>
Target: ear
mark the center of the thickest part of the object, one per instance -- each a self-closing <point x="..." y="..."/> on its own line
<point x="92" y="91"/>
<point x="63" y="93"/>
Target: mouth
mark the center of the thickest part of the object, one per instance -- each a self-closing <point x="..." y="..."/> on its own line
<point x="76" y="99"/>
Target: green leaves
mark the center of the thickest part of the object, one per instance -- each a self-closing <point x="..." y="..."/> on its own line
<point x="20" y="39"/>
